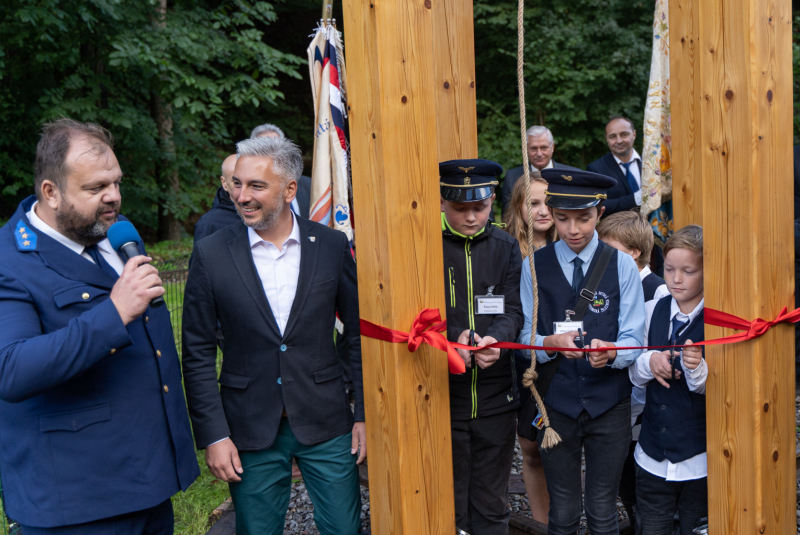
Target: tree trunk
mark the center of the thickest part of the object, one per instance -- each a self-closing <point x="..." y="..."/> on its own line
<point x="169" y="227"/>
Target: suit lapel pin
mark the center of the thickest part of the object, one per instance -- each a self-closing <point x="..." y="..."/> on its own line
<point x="312" y="238"/>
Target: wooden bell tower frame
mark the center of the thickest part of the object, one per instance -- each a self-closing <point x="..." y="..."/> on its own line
<point x="411" y="85"/>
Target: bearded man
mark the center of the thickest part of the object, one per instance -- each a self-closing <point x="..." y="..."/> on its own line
<point x="275" y="283"/>
<point x="94" y="436"/>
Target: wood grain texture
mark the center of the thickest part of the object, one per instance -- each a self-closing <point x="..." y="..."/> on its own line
<point x="743" y="136"/>
<point x="454" y="61"/>
<point x="684" y="102"/>
<point x="392" y="90"/>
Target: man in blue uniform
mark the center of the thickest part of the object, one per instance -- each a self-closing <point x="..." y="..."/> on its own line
<point x="94" y="434"/>
<point x="589" y="398"/>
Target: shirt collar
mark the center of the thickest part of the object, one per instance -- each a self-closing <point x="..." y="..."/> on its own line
<point x="674" y="310"/>
<point x="585" y="255"/>
<point x="635" y="156"/>
<point x="294" y="236"/>
<point x="548" y="166"/>
<point x="644" y="272"/>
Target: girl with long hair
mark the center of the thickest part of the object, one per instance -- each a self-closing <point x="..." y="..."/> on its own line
<point x="544" y="232"/>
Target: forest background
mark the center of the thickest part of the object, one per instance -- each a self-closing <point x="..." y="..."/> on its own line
<point x="179" y="82"/>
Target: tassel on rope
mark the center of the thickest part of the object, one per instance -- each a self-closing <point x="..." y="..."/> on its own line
<point x="551" y="437"/>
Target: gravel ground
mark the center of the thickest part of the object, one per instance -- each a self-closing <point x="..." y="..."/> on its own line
<point x="300" y="518"/>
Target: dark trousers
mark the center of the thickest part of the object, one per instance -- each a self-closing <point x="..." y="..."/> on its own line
<point x="627" y="485"/>
<point x="483" y="450"/>
<point x="158" y="520"/>
<point x="605" y="441"/>
<point x="657" y="500"/>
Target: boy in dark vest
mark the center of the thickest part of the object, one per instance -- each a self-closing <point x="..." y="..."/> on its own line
<point x="588" y="400"/>
<point x="630" y="233"/>
<point x="481" y="273"/>
<point x="671" y="454"/>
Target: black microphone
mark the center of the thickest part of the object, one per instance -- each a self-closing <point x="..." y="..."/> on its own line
<point x="125" y="240"/>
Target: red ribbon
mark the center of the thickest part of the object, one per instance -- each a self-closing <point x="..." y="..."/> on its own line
<point x="428" y="327"/>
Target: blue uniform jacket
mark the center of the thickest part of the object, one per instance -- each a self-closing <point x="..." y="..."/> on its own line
<point x="93" y="421"/>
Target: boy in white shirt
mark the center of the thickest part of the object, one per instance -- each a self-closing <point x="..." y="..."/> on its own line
<point x="670" y="456"/>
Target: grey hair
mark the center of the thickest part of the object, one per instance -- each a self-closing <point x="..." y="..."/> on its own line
<point x="264" y="129"/>
<point x="535" y="131"/>
<point x="287" y="160"/>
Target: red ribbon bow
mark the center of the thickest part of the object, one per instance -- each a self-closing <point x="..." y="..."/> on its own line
<point x="428" y="326"/>
<point x="754" y="328"/>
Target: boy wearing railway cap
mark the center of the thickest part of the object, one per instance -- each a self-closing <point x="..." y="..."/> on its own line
<point x="592" y="295"/>
<point x="481" y="269"/>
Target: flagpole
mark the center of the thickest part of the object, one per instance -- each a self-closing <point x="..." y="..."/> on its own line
<point x="327" y="11"/>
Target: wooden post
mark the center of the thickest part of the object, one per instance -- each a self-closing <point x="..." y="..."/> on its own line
<point x="685" y="101"/>
<point x="741" y="161"/>
<point x="456" y="113"/>
<point x="399" y="55"/>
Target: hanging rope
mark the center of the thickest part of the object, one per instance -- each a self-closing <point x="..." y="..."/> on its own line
<point x="551" y="438"/>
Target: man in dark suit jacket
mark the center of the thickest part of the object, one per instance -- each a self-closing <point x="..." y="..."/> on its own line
<point x="540" y="156"/>
<point x="623" y="164"/>
<point x="94" y="436"/>
<point x="275" y="283"/>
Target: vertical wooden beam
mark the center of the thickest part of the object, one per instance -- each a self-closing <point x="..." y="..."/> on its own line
<point x="737" y="158"/>
<point x="454" y="61"/>
<point x="685" y="101"/>
<point x="393" y="125"/>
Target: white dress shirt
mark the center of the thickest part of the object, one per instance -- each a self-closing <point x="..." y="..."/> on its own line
<point x="634" y="171"/>
<point x="641" y="374"/>
<point x="109" y="254"/>
<point x="278" y="271"/>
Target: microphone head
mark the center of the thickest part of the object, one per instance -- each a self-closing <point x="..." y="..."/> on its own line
<point x="122" y="232"/>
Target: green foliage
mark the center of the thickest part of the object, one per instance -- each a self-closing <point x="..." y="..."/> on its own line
<point x="585" y="60"/>
<point x="111" y="61"/>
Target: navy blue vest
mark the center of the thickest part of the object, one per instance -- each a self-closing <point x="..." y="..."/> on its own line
<point x="650" y="284"/>
<point x="577" y="386"/>
<point x="674" y="419"/>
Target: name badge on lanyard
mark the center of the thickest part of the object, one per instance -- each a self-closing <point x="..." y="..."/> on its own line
<point x="566" y="326"/>
<point x="490" y="304"/>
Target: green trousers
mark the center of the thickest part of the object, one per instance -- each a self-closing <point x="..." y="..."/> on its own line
<point x="330" y="474"/>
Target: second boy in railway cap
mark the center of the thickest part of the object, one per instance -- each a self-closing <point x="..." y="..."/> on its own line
<point x="588" y="400"/>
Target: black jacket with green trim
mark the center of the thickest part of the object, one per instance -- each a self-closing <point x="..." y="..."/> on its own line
<point x="471" y="266"/>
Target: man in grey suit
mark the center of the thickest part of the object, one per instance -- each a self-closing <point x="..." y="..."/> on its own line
<point x="540" y="155"/>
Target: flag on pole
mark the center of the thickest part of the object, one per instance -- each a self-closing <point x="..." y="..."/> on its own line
<point x="330" y="176"/>
<point x="656" y="154"/>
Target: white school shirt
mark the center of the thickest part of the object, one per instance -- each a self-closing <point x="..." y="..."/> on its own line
<point x="109" y="254"/>
<point x="278" y="271"/>
<point x="635" y="172"/>
<point x="640" y="374"/>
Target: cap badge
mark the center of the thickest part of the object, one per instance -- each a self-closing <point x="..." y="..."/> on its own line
<point x="466" y="169"/>
<point x="466" y="181"/>
<point x="567" y="178"/>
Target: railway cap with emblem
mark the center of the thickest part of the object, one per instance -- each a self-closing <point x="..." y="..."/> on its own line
<point x="468" y="180"/>
<point x="573" y="189"/>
